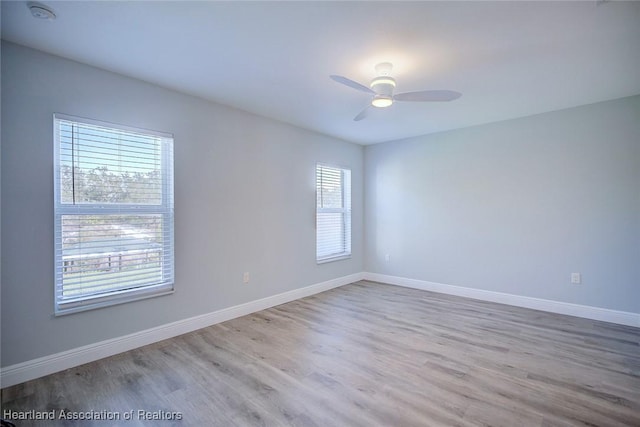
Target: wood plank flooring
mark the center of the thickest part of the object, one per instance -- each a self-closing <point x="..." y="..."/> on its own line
<point x="365" y="354"/>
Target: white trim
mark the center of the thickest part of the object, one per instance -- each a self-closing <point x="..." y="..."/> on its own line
<point x="585" y="311"/>
<point x="344" y="211"/>
<point x="101" y="123"/>
<point x="147" y="287"/>
<point x="36" y="368"/>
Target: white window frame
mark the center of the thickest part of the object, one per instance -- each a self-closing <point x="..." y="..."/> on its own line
<point x="345" y="210"/>
<point x="166" y="286"/>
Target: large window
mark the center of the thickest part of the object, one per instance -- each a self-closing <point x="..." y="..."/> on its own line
<point x="333" y="213"/>
<point x="113" y="214"/>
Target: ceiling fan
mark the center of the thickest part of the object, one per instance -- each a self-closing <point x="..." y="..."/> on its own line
<point x="381" y="88"/>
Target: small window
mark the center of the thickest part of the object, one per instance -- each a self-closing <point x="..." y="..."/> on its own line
<point x="333" y="213"/>
<point x="113" y="214"/>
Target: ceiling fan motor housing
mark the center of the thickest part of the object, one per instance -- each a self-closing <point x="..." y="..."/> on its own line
<point x="383" y="85"/>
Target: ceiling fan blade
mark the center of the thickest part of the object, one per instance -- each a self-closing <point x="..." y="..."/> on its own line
<point x="351" y="83"/>
<point x="428" y="95"/>
<point x="363" y="114"/>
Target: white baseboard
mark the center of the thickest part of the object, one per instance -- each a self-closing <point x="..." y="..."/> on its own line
<point x="585" y="311"/>
<point x="36" y="368"/>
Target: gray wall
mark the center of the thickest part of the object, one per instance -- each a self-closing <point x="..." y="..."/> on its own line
<point x="514" y="206"/>
<point x="244" y="201"/>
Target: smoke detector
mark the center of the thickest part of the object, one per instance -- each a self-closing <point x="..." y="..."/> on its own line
<point x="40" y="11"/>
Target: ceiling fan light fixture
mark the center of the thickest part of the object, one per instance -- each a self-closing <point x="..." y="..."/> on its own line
<point x="382" y="101"/>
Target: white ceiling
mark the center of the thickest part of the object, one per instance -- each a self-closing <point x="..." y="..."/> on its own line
<point x="508" y="59"/>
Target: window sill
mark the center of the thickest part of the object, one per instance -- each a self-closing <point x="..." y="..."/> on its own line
<point x="333" y="258"/>
<point x="113" y="299"/>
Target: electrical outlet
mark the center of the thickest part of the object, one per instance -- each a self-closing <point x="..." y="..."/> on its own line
<point x="387" y="257"/>
<point x="245" y="277"/>
<point x="576" y="278"/>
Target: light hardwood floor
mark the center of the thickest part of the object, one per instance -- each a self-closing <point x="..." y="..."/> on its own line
<point x="365" y="354"/>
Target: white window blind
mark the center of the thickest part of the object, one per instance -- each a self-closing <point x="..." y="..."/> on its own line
<point x="113" y="214"/>
<point x="333" y="213"/>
